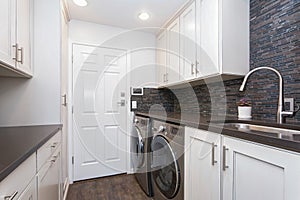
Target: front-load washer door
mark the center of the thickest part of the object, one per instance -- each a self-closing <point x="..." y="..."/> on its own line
<point x="137" y="149"/>
<point x="165" y="168"/>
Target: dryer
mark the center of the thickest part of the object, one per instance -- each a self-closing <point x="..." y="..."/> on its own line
<point x="140" y="152"/>
<point x="167" y="161"/>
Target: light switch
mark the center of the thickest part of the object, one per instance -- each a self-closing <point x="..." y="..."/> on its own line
<point x="134" y="105"/>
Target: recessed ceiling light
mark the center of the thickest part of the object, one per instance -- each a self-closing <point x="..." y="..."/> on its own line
<point x="81" y="3"/>
<point x="144" y="16"/>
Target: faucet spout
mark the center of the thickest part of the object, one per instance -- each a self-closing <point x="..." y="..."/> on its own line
<point x="280" y="111"/>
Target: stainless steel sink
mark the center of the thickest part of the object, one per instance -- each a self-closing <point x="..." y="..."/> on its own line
<point x="272" y="131"/>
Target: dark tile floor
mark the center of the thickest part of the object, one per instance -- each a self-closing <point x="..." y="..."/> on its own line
<point x="120" y="187"/>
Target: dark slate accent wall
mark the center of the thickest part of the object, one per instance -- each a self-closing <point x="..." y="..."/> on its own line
<point x="274" y="42"/>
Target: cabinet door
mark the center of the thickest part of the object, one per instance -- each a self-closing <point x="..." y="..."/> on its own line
<point x="30" y="192"/>
<point x="188" y="42"/>
<point x="173" y="54"/>
<point x="7" y="32"/>
<point x="202" y="165"/>
<point x="49" y="179"/>
<point x="161" y="58"/>
<point x="24" y="19"/>
<point x="207" y="37"/>
<point x="258" y="172"/>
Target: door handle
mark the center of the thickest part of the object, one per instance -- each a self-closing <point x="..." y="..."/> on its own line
<point x="16" y="52"/>
<point x="64" y="100"/>
<point x="197" y="71"/>
<point x="12" y="196"/>
<point x="121" y="103"/>
<point x="22" y="55"/>
<point x="213" y="161"/>
<point x="192" y="69"/>
<point x="224" y="158"/>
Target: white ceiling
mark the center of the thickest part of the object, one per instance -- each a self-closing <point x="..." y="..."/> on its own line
<point x="123" y="13"/>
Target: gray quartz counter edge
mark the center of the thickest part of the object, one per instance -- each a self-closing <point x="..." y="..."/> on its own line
<point x="50" y="130"/>
<point x="203" y="124"/>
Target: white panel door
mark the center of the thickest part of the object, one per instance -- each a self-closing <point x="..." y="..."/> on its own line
<point x="173" y="54"/>
<point x="202" y="166"/>
<point x="99" y="126"/>
<point x="7" y="31"/>
<point x="24" y="31"/>
<point x="188" y="42"/>
<point x="253" y="171"/>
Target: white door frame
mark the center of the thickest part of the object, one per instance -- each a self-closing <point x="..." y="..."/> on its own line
<point x="70" y="107"/>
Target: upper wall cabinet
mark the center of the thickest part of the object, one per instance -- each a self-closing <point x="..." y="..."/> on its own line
<point x="173" y="48"/>
<point x="15" y="38"/>
<point x="214" y="39"/>
<point x="161" y="57"/>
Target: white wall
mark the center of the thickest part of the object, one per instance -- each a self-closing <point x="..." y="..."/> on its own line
<point x="139" y="43"/>
<point x="37" y="100"/>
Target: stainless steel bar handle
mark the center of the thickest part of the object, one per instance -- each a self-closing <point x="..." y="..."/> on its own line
<point x="22" y="55"/>
<point x="224" y="158"/>
<point x="197" y="71"/>
<point x="65" y="100"/>
<point x="167" y="77"/>
<point x="192" y="69"/>
<point x="16" y="52"/>
<point x="164" y="78"/>
<point x="213" y="161"/>
<point x="12" y="196"/>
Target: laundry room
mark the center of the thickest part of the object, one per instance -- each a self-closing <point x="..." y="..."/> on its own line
<point x="149" y="100"/>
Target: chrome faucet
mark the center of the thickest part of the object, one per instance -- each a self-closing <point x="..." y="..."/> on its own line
<point x="280" y="111"/>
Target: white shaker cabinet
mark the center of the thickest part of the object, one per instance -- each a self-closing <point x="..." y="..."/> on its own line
<point x="214" y="39"/>
<point x="254" y="171"/>
<point x="49" y="180"/>
<point x="7" y="32"/>
<point x="173" y="51"/>
<point x="30" y="193"/>
<point x="17" y="181"/>
<point x="15" y="38"/>
<point x="24" y="38"/>
<point x="161" y="56"/>
<point x="223" y="37"/>
<point x="207" y="16"/>
<point x="188" y="43"/>
<point x="202" y="165"/>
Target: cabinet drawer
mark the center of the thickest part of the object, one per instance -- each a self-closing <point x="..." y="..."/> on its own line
<point x="49" y="178"/>
<point x="44" y="153"/>
<point x="17" y="181"/>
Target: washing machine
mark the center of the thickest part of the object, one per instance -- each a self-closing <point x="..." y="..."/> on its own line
<point x="167" y="161"/>
<point x="140" y="152"/>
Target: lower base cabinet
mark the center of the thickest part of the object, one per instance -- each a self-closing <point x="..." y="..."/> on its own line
<point x="30" y="193"/>
<point x="254" y="171"/>
<point x="49" y="180"/>
<point x="202" y="165"/>
<point x="221" y="167"/>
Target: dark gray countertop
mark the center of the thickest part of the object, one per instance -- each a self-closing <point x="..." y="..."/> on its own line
<point x="209" y="123"/>
<point x="18" y="143"/>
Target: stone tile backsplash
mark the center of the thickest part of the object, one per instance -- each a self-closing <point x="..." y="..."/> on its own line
<point x="274" y="42"/>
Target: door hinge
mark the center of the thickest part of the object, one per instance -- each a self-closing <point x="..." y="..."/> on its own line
<point x="72" y="160"/>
